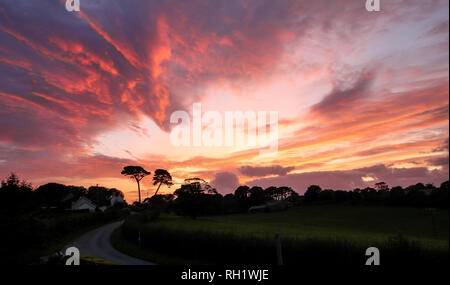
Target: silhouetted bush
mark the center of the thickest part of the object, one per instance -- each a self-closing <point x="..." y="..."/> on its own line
<point x="418" y="195"/>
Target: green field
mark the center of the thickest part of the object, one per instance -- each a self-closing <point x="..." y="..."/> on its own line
<point x="360" y="226"/>
<point x="355" y="223"/>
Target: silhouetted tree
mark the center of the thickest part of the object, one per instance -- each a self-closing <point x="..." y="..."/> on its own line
<point x="193" y="185"/>
<point x="415" y="194"/>
<point x="355" y="196"/>
<point x="195" y="197"/>
<point x="230" y="204"/>
<point x="159" y="202"/>
<point x="229" y="196"/>
<point x="57" y="195"/>
<point x="284" y="192"/>
<point x="326" y="195"/>
<point x="369" y="195"/>
<point x="312" y="193"/>
<point x="271" y="193"/>
<point x="101" y="195"/>
<point x="257" y="195"/>
<point x="241" y="195"/>
<point x="137" y="173"/>
<point x="115" y="192"/>
<point x="98" y="195"/>
<point x="242" y="192"/>
<point x="397" y="196"/>
<point x="294" y="198"/>
<point x="440" y="197"/>
<point x="15" y="195"/>
<point x="341" y="196"/>
<point x="418" y="195"/>
<point x="160" y="177"/>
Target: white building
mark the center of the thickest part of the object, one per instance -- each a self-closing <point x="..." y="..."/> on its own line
<point x="82" y="204"/>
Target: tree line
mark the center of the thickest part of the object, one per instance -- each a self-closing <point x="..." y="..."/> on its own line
<point x="19" y="197"/>
<point x="32" y="220"/>
<point x="196" y="197"/>
<point x="417" y="195"/>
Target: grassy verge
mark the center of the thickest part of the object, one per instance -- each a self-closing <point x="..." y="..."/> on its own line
<point x="119" y="242"/>
<point x="26" y="238"/>
<point x="87" y="260"/>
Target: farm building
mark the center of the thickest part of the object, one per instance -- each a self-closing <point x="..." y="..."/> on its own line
<point x="83" y="204"/>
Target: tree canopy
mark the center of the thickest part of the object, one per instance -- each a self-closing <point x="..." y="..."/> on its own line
<point x="137" y="173"/>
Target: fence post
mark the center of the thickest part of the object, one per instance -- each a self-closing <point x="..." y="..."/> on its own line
<point x="139" y="238"/>
<point x="278" y="246"/>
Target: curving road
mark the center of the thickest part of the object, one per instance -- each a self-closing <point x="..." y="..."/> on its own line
<point x="96" y="244"/>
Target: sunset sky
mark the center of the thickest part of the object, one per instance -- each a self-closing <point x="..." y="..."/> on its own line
<point x="362" y="96"/>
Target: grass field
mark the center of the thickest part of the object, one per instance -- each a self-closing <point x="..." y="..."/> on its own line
<point x="359" y="225"/>
<point x="356" y="223"/>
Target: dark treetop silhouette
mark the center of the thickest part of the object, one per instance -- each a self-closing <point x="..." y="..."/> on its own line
<point x="160" y="177"/>
<point x="136" y="172"/>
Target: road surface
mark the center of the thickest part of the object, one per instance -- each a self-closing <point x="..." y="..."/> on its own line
<point x="96" y="244"/>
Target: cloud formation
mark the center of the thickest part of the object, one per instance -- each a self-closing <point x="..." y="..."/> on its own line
<point x="225" y="182"/>
<point x="354" y="89"/>
<point x="252" y="171"/>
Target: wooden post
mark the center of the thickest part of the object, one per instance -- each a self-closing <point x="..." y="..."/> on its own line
<point x="278" y="246"/>
<point x="139" y="238"/>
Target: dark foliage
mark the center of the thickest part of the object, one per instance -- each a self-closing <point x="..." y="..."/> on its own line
<point x="31" y="220"/>
<point x="100" y="195"/>
<point x="26" y="235"/>
<point x="418" y="195"/>
<point x="16" y="197"/>
<point x="161" y="177"/>
<point x="196" y="198"/>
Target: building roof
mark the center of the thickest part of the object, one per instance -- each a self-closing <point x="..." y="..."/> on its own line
<point x="83" y="200"/>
